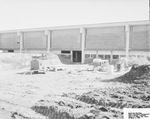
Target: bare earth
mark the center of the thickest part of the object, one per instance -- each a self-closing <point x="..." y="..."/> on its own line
<point x="19" y="91"/>
<point x="77" y="92"/>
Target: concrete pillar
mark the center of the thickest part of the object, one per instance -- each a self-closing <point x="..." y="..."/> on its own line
<point x="48" y="34"/>
<point x="82" y="32"/>
<point x="148" y="53"/>
<point x="119" y="56"/>
<point x="20" y="35"/>
<point x="71" y="54"/>
<point x="111" y="56"/>
<point x="96" y="53"/>
<point x="127" y="31"/>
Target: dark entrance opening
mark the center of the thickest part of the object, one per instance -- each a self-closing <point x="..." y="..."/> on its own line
<point x="76" y="56"/>
<point x="10" y="50"/>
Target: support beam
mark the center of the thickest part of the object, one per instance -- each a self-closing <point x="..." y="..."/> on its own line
<point x="82" y="32"/>
<point x="20" y="41"/>
<point x="127" y="31"/>
<point x="48" y="34"/>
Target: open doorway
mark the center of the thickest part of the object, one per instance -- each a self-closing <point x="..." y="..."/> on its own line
<point x="76" y="56"/>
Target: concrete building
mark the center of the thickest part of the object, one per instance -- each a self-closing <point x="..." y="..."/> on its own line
<point x="81" y="42"/>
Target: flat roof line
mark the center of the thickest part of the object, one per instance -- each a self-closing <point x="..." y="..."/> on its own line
<point x="79" y="26"/>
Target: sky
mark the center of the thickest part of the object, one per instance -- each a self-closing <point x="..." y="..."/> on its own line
<point x="23" y="14"/>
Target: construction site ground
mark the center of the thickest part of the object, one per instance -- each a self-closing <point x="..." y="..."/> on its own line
<point x="75" y="92"/>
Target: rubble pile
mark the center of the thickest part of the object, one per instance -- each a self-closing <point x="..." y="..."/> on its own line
<point x="136" y="73"/>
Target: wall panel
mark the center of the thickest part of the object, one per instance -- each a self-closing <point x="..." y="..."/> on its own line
<point x="139" y="39"/>
<point x="34" y="40"/>
<point x="105" y="38"/>
<point x="66" y="39"/>
<point x="9" y="41"/>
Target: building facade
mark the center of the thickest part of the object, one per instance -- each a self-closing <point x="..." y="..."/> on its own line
<point x="82" y="42"/>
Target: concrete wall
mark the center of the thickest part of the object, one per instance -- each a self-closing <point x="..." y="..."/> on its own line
<point x="66" y="39"/>
<point x="139" y="39"/>
<point x="9" y="41"/>
<point x="34" y="40"/>
<point x="105" y="38"/>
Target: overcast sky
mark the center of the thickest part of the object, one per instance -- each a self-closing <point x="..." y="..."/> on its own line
<point x="21" y="14"/>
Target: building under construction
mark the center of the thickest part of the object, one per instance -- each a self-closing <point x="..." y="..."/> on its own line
<point x="80" y="42"/>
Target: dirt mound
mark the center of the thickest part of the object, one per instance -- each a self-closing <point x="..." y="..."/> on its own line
<point x="136" y="73"/>
<point x="113" y="100"/>
<point x="65" y="59"/>
<point x="62" y="109"/>
<point x="10" y="61"/>
<point x="13" y="61"/>
<point x="54" y="59"/>
<point x="138" y="61"/>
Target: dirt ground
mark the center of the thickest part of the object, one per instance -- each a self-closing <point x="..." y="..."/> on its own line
<point x="18" y="90"/>
<point x="73" y="93"/>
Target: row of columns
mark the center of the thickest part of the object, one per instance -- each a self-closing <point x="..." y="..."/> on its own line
<point x="20" y="36"/>
<point x="48" y="35"/>
<point x="127" y="39"/>
<point x="82" y="32"/>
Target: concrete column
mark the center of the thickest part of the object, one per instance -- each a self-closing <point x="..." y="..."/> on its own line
<point x="71" y="54"/>
<point x="127" y="31"/>
<point x="148" y="54"/>
<point x="20" y="35"/>
<point x="82" y="31"/>
<point x="96" y="53"/>
<point x="48" y="34"/>
<point x="111" y="56"/>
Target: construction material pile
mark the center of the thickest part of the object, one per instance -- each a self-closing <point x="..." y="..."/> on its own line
<point x="136" y="74"/>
